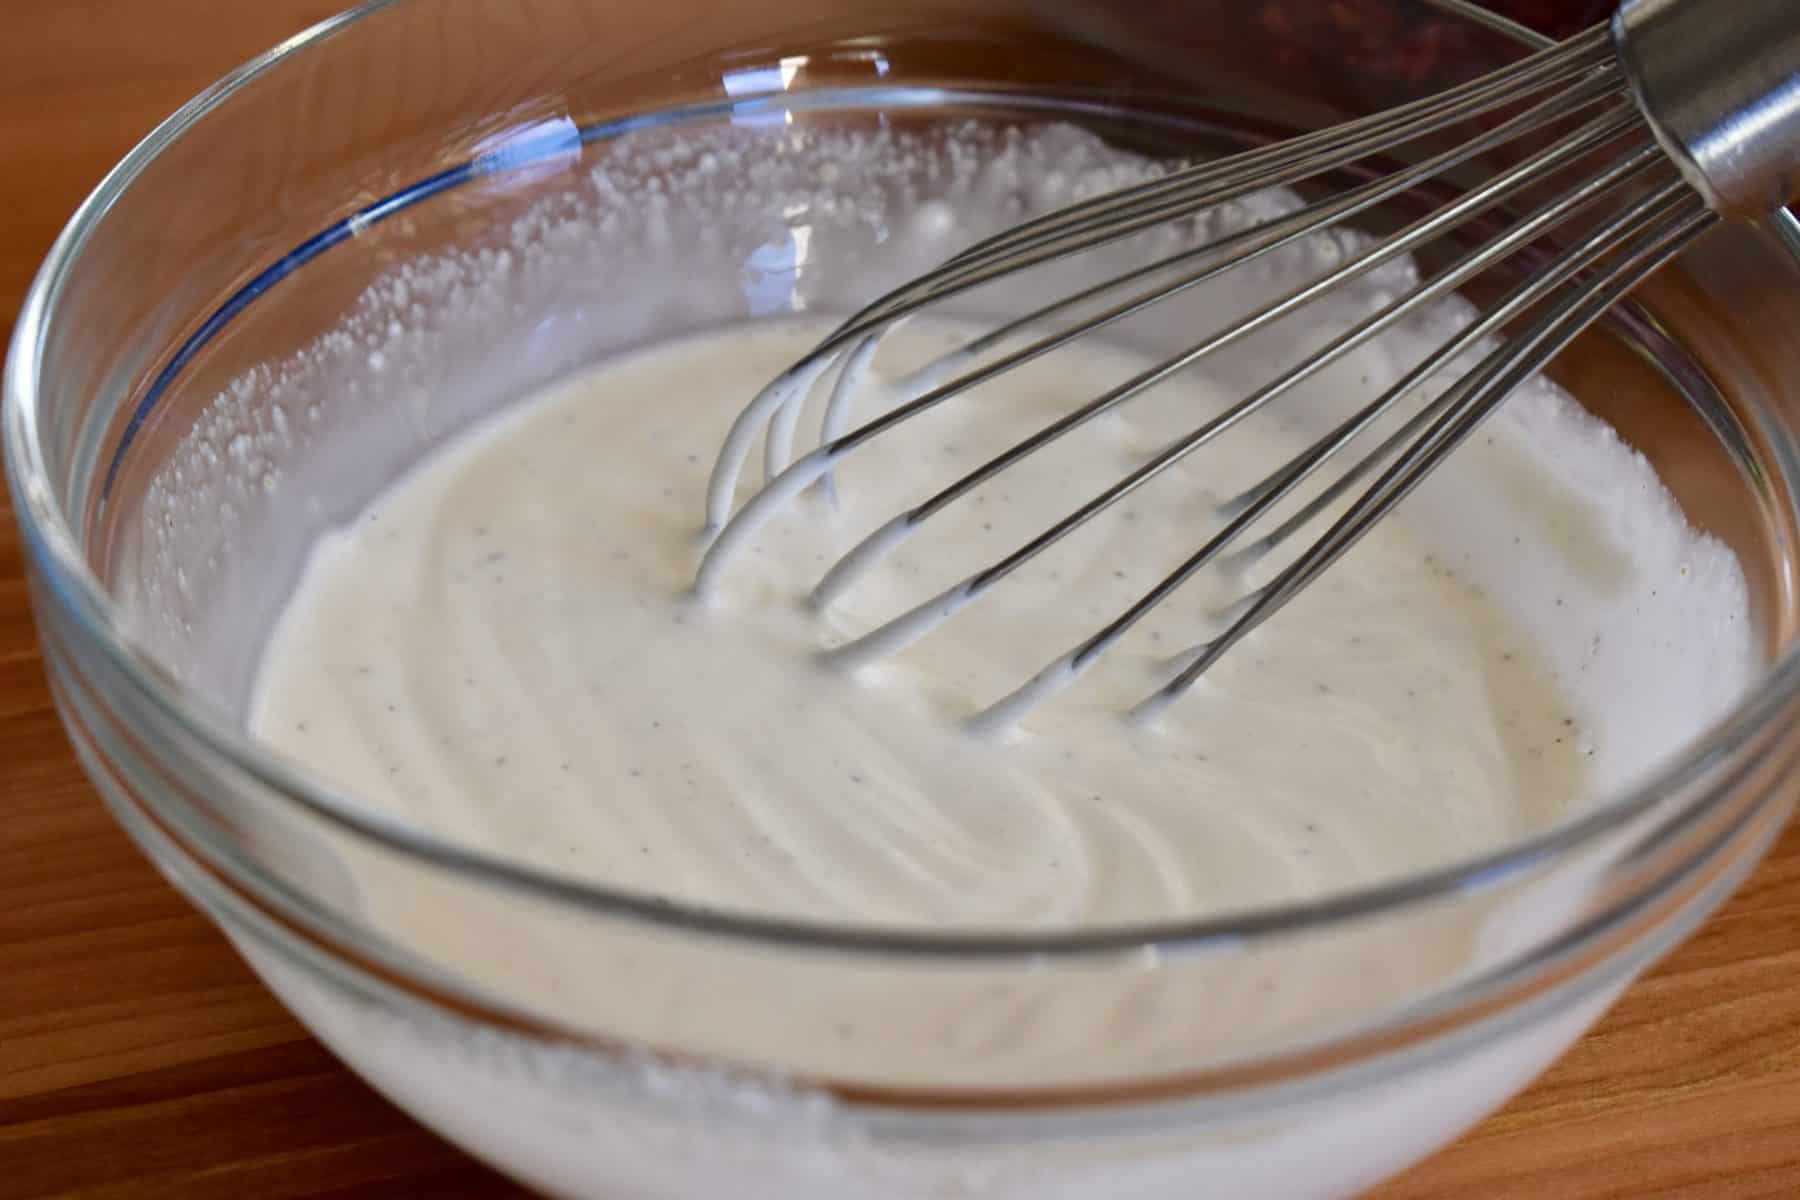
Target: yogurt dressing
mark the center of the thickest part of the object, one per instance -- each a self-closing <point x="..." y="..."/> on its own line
<point x="506" y="649"/>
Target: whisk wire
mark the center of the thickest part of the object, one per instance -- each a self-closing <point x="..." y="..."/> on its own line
<point x="1491" y="322"/>
<point x="1661" y="228"/>
<point x="1245" y="509"/>
<point x="1672" y="216"/>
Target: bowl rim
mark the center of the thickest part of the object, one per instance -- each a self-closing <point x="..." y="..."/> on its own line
<point x="52" y="548"/>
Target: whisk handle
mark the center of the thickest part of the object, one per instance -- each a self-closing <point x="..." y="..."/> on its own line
<point x="1719" y="81"/>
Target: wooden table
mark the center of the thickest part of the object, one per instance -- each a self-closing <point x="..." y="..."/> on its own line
<point x="138" y="1058"/>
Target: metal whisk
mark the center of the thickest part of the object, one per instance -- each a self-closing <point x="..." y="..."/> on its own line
<point x="1631" y="141"/>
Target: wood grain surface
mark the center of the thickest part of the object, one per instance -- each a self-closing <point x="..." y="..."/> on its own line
<point x="139" y="1059"/>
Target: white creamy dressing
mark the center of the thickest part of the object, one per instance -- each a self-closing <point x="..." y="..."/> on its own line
<point x="506" y="649"/>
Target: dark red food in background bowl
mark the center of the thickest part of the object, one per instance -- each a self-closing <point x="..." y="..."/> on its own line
<point x="1401" y="44"/>
<point x="1558" y="18"/>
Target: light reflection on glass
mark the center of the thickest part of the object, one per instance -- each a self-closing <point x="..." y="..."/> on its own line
<point x="757" y="82"/>
<point x="772" y="273"/>
<point x="530" y="152"/>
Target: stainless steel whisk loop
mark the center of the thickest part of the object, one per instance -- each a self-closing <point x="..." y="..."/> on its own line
<point x="1677" y="115"/>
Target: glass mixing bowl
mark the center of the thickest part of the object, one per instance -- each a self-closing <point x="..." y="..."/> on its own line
<point x="354" y="246"/>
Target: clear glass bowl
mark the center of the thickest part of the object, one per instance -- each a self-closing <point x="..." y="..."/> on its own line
<point x="218" y="361"/>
